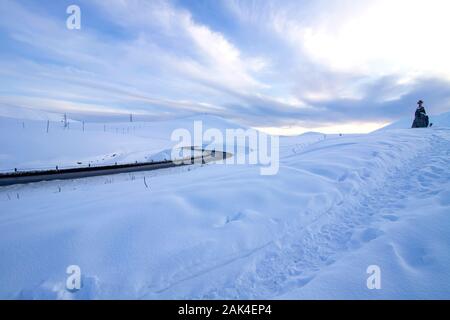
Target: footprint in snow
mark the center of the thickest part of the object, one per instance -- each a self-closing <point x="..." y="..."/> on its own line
<point x="390" y="217"/>
<point x="235" y="217"/>
<point x="370" y="234"/>
<point x="444" y="198"/>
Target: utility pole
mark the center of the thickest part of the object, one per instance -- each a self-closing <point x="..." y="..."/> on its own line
<point x="65" y="123"/>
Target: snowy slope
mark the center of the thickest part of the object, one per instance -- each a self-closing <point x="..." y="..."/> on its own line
<point x="337" y="205"/>
<point x="26" y="144"/>
<point x="439" y="121"/>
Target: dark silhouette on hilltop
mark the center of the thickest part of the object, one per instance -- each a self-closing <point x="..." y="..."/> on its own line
<point x="421" y="119"/>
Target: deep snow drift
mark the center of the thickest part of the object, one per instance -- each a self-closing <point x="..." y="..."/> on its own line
<point x="337" y="205"/>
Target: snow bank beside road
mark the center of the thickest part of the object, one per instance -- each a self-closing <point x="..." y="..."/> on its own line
<point x="26" y="144"/>
<point x="227" y="232"/>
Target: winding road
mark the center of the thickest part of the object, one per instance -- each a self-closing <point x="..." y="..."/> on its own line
<point x="22" y="177"/>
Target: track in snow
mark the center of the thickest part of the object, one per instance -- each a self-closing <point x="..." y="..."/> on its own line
<point x="302" y="252"/>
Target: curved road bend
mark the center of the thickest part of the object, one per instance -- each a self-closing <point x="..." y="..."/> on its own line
<point x="76" y="173"/>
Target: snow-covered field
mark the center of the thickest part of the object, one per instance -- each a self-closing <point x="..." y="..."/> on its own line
<point x="26" y="144"/>
<point x="338" y="205"/>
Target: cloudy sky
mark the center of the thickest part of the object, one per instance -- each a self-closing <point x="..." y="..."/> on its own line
<point x="289" y="66"/>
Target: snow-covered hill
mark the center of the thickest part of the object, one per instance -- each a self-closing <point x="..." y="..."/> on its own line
<point x="26" y="144"/>
<point x="439" y="121"/>
<point x="337" y="206"/>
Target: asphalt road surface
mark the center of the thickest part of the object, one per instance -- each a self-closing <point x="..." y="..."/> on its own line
<point x="76" y="173"/>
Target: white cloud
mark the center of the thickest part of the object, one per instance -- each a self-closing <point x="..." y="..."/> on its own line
<point x="200" y="52"/>
<point x="380" y="38"/>
<point x="167" y="59"/>
<point x="292" y="60"/>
